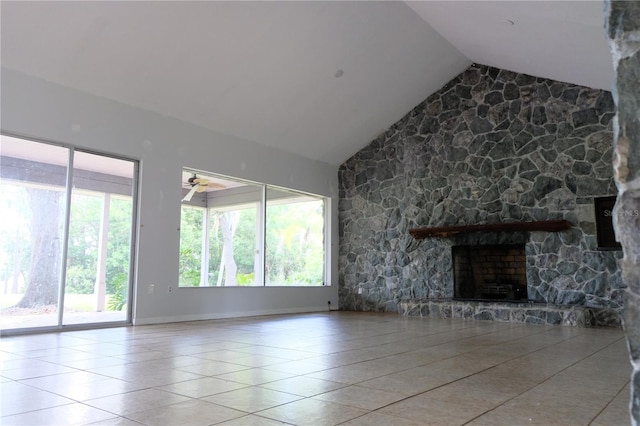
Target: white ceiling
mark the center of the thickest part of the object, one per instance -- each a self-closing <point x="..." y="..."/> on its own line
<point x="270" y="72"/>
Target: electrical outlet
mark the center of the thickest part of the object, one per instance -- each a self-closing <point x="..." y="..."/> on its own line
<point x="151" y="289"/>
<point x="359" y="290"/>
<point x="169" y="289"/>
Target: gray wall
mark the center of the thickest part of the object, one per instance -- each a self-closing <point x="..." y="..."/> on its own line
<point x="491" y="146"/>
<point x="38" y="109"/>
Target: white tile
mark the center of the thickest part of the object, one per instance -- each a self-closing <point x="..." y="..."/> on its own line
<point x="18" y="398"/>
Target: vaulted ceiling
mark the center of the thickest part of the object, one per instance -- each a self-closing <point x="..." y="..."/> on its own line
<point x="319" y="79"/>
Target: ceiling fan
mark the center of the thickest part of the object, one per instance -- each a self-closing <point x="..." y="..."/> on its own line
<point x="199" y="185"/>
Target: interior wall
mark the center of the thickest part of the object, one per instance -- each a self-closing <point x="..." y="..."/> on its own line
<point x="491" y="146"/>
<point x="36" y="109"/>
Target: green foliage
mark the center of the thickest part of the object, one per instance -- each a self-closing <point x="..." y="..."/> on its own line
<point x="119" y="297"/>
<point x="119" y="241"/>
<point x="191" y="222"/>
<point x="82" y="254"/>
<point x="246" y="279"/>
<point x="80" y="280"/>
<point x="84" y="240"/>
<point x="295" y="243"/>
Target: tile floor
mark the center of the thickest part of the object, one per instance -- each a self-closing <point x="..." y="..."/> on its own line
<point x="318" y="369"/>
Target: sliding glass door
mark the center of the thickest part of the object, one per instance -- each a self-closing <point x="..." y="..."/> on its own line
<point x="66" y="236"/>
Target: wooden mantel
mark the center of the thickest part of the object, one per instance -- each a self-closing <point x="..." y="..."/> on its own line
<point x="448" y="231"/>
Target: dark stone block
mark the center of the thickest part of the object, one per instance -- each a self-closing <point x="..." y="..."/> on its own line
<point x="604" y="103"/>
<point x="606" y="118"/>
<point x="596" y="286"/>
<point x="586" y="131"/>
<point x="484" y="315"/>
<point x="511" y="91"/>
<point x="584" y="274"/>
<point x="549" y="154"/>
<point x="514" y="109"/>
<point x="535" y="320"/>
<point x="594" y="260"/>
<point x="543" y="92"/>
<point x="450" y="100"/>
<point x="570" y="297"/>
<point x="571" y="183"/>
<point x="539" y="116"/>
<point x="521" y="139"/>
<point x="524" y="79"/>
<point x="556" y="89"/>
<point x="554" y="318"/>
<point x="564" y="129"/>
<point x="507" y="76"/>
<point x="361" y="178"/>
<point x="585" y="117"/>
<point x="567" y="268"/>
<point x="582" y="168"/>
<point x="493" y="98"/>
<point x="503" y="122"/>
<point x="588" y="185"/>
<point x="570" y="95"/>
<point x="544" y="185"/>
<point x="479" y="125"/>
<point x="564" y="144"/>
<point x="430" y="125"/>
<point x="525" y="114"/>
<point x="577" y="152"/>
<point x="515" y="126"/>
<point x="463" y="91"/>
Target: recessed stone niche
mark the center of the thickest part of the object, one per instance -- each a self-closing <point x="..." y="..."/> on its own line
<point x="489" y="272"/>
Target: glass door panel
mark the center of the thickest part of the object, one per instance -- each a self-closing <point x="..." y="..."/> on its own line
<point x="32" y="206"/>
<point x="99" y="249"/>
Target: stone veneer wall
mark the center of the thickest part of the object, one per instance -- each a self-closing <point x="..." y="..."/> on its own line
<point x="491" y="146"/>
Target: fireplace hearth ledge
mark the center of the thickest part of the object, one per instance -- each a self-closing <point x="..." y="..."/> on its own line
<point x="527" y="313"/>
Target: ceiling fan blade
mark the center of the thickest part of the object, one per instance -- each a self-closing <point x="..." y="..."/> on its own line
<point x="190" y="194"/>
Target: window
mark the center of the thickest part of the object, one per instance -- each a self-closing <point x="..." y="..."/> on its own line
<point x="226" y="223"/>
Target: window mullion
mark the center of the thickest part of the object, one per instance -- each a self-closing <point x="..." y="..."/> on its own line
<point x="204" y="268"/>
<point x="65" y="236"/>
<point x="262" y="239"/>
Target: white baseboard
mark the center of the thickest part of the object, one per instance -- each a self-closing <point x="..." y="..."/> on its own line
<point x="227" y="315"/>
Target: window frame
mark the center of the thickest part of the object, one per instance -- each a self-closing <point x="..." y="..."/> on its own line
<point x="237" y="198"/>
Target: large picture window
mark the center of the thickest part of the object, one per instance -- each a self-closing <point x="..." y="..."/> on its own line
<point x="236" y="233"/>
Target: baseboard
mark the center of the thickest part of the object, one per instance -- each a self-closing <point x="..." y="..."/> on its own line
<point x="226" y="315"/>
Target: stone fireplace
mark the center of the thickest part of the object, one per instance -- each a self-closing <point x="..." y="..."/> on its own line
<point x="492" y="147"/>
<point x="489" y="272"/>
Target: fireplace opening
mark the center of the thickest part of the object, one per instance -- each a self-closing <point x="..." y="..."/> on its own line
<point x="490" y="272"/>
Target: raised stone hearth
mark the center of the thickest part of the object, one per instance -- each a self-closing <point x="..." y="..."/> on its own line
<point x="529" y="313"/>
